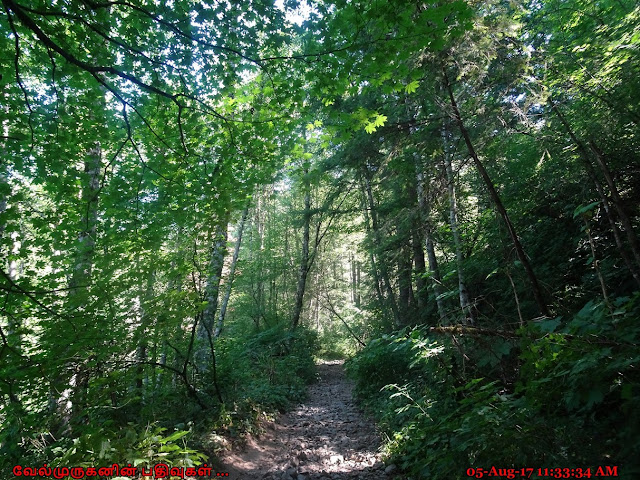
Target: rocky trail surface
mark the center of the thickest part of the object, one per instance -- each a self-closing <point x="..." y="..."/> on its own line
<point x="325" y="438"/>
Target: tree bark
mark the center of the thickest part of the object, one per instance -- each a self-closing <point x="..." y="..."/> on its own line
<point x="465" y="304"/>
<point x="405" y="290"/>
<point x="144" y="298"/>
<point x="352" y="265"/>
<point x="232" y="271"/>
<point x="303" y="269"/>
<point x="69" y="389"/>
<point x="212" y="289"/>
<point x="424" y="212"/>
<point x="420" y="267"/>
<point x="596" y="262"/>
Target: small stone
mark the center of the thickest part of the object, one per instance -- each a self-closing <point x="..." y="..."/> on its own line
<point x="301" y="477"/>
<point x="390" y="469"/>
<point x="291" y="471"/>
<point x="286" y="476"/>
<point x="336" y="459"/>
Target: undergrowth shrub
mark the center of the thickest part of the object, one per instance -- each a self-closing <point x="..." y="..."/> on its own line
<point x="101" y="446"/>
<point x="261" y="374"/>
<point x="448" y="405"/>
<point x="258" y="374"/>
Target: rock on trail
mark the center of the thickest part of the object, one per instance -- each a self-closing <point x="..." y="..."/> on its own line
<point x="325" y="438"/>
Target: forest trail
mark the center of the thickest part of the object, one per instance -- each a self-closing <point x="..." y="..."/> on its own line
<point x="325" y="438"/>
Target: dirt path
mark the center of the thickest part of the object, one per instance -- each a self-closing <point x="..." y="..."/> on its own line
<point x="326" y="438"/>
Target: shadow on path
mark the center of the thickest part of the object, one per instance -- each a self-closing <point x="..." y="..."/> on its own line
<point x="325" y="438"/>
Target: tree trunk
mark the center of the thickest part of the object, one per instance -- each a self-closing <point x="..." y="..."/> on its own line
<point x="421" y="296"/>
<point x="596" y="263"/>
<point x="372" y="259"/>
<point x="352" y="265"/>
<point x="391" y="297"/>
<point x="69" y="386"/>
<point x="232" y="271"/>
<point x="406" y="298"/>
<point x="424" y="212"/>
<point x="144" y="298"/>
<point x="420" y="267"/>
<point x="358" y="270"/>
<point x="303" y="270"/>
<point x="465" y="304"/>
<point x="533" y="280"/>
<point x="584" y="155"/>
<point x="212" y="289"/>
<point x="617" y="202"/>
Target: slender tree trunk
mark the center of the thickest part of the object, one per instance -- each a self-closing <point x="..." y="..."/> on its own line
<point x="617" y="202"/>
<point x="232" y="271"/>
<point x="145" y="297"/>
<point x="352" y="265"/>
<point x="595" y="262"/>
<point x="584" y="155"/>
<point x="420" y="267"/>
<point x="533" y="280"/>
<point x="374" y="268"/>
<point x="391" y="297"/>
<point x="258" y="288"/>
<point x="515" y="297"/>
<point x="69" y="385"/>
<point x="406" y="297"/>
<point x="358" y="270"/>
<point x="303" y="269"/>
<point x="465" y="304"/>
<point x="212" y="289"/>
<point x="4" y="190"/>
<point x="424" y="212"/>
<point x="316" y="303"/>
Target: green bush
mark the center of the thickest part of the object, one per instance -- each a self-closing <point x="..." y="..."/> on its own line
<point x="574" y="402"/>
<point x="264" y="373"/>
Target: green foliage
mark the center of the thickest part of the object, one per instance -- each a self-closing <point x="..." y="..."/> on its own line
<point x="573" y="403"/>
<point x="262" y="374"/>
<point x="336" y="343"/>
<point x="283" y="363"/>
<point x="583" y="376"/>
<point x="131" y="445"/>
<point x="130" y="132"/>
<point x="397" y="363"/>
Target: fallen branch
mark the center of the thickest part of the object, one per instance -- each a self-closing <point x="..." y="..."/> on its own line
<point x="469" y="330"/>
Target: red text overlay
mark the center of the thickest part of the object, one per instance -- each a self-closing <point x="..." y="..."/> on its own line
<point x="158" y="471"/>
<point x="587" y="472"/>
